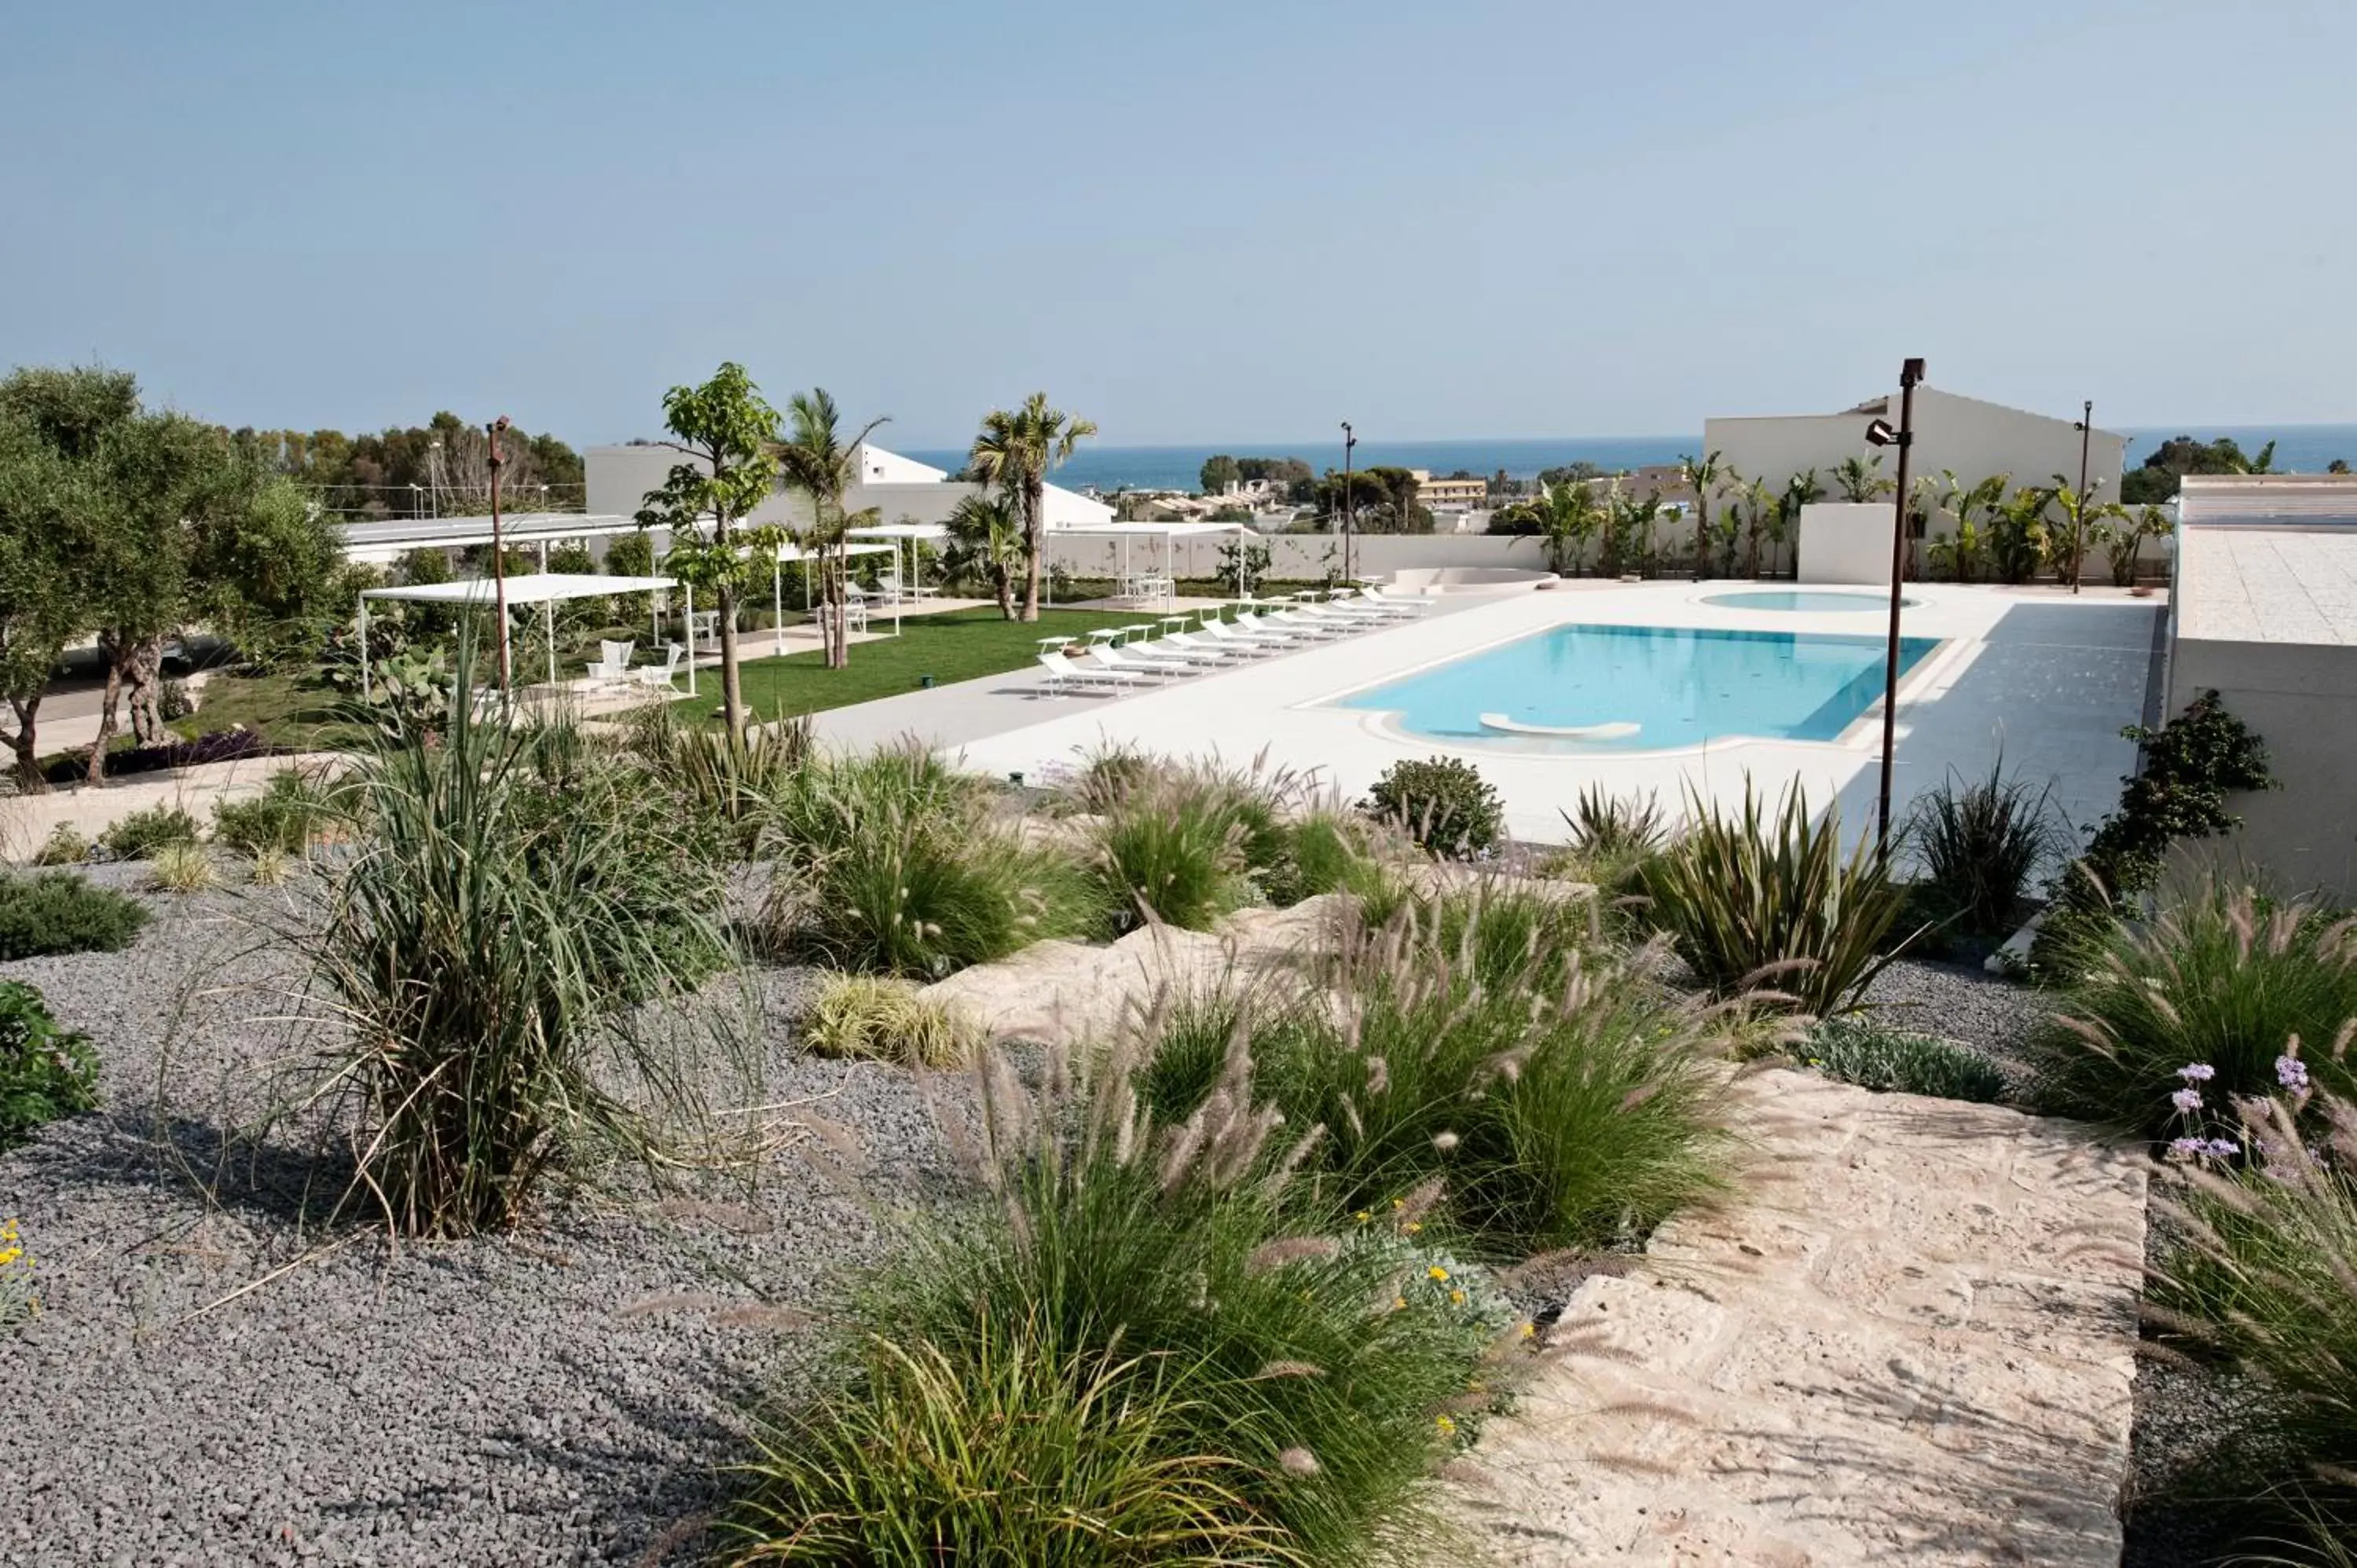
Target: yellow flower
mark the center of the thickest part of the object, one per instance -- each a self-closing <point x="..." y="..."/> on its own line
<point x="1399" y="1203"/>
<point x="1457" y="1297"/>
<point x="1399" y="1304"/>
<point x="1530" y="1331"/>
<point x="1448" y="1427"/>
<point x="1413" y="1226"/>
<point x="1438" y="1274"/>
<point x="1362" y="1217"/>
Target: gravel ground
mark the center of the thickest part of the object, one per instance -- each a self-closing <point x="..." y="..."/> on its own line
<point x="556" y="1396"/>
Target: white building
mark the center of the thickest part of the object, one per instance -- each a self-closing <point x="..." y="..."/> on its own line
<point x="1973" y="438"/>
<point x="2264" y="611"/>
<point x="901" y="490"/>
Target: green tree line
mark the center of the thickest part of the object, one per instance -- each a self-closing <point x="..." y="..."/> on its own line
<point x="439" y="468"/>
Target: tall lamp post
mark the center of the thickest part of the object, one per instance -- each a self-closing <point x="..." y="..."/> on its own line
<point x="499" y="555"/>
<point x="1349" y="503"/>
<point x="2086" y="433"/>
<point x="1881" y="434"/>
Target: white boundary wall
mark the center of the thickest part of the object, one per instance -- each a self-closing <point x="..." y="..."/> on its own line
<point x="1846" y="542"/>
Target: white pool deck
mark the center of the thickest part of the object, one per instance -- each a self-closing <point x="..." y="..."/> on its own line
<point x="2047" y="679"/>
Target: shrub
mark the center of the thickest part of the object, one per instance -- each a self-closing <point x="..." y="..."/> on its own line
<point x="1569" y="1106"/>
<point x="1980" y="846"/>
<point x="2222" y="980"/>
<point x="46" y="1072"/>
<point x="2267" y="1275"/>
<point x="1611" y="842"/>
<point x="214" y="745"/>
<point x="270" y="867"/>
<point x="2186" y="768"/>
<point x="1858" y="1051"/>
<point x="56" y="912"/>
<point x="1314" y="1373"/>
<point x="887" y="862"/>
<point x="66" y="845"/>
<point x="142" y="833"/>
<point x="1323" y="851"/>
<point x="996" y="1453"/>
<point x="732" y="779"/>
<point x="182" y="868"/>
<point x="490" y="949"/>
<point x="1172" y="847"/>
<point x="1751" y="901"/>
<point x="1446" y="804"/>
<point x="285" y="817"/>
<point x="884" y="1019"/>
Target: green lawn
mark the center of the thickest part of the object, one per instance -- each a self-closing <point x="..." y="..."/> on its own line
<point x="956" y="645"/>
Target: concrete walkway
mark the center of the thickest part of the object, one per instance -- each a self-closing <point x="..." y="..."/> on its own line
<point x="1910" y="1341"/>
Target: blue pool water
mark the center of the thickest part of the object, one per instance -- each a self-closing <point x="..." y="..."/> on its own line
<point x="1803" y="599"/>
<point x="1681" y="686"/>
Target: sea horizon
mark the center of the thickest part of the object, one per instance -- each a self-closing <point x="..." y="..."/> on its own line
<point x="2300" y="449"/>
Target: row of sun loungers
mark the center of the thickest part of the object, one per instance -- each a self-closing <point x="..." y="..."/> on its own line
<point x="1256" y="632"/>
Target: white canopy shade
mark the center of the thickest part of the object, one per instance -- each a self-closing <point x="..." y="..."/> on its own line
<point x="546" y="589"/>
<point x="1164" y="531"/>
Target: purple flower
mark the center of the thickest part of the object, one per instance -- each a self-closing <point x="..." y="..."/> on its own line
<point x="2221" y="1148"/>
<point x="2197" y="1072"/>
<point x="2291" y="1072"/>
<point x="2187" y="1100"/>
<point x="2184" y="1148"/>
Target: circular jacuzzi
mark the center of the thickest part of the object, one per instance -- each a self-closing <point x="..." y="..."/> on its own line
<point x="1470" y="580"/>
<point x="1803" y="600"/>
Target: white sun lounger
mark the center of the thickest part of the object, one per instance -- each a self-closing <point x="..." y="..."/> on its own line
<point x="1120" y="662"/>
<point x="1063" y="675"/>
<point x="1405" y="606"/>
<point x="1188" y="645"/>
<point x="1242" y="641"/>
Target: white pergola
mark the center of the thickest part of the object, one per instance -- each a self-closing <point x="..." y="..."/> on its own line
<point x="545" y="589"/>
<point x="387" y="540"/>
<point x="914" y="533"/>
<point x="1164" y="531"/>
<point x="791" y="551"/>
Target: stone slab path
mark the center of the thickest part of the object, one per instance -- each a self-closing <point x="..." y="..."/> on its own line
<point x="1910" y="1339"/>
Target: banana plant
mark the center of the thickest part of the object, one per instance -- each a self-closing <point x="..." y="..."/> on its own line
<point x="1761" y="511"/>
<point x="2081" y="514"/>
<point x="1861" y="479"/>
<point x="1800" y="490"/>
<point x="2018" y="536"/>
<point x="1961" y="556"/>
<point x="1569" y="515"/>
<point x="1700" y="475"/>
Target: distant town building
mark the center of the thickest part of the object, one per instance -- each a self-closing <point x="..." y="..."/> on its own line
<point x="1449" y="495"/>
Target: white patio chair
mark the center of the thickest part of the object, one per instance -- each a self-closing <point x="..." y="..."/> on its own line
<point x="1248" y="643"/>
<point x="1192" y="645"/>
<point x="664" y="673"/>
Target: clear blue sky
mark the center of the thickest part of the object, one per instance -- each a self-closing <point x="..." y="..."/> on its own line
<point x="1198" y="221"/>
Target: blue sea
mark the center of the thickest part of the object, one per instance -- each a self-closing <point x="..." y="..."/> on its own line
<point x="2299" y="448"/>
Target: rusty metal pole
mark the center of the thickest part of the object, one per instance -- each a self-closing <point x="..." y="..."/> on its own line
<point x="500" y="559"/>
<point x="1908" y="374"/>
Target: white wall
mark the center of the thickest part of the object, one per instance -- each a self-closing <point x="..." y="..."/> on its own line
<point x="1846" y="542"/>
<point x="2301" y="700"/>
<point x="1973" y="438"/>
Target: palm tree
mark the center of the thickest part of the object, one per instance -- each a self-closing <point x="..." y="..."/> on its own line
<point x="2264" y="463"/>
<point x="818" y="462"/>
<point x="1700" y="475"/>
<point x="1014" y="451"/>
<point x="1860" y="480"/>
<point x="986" y="541"/>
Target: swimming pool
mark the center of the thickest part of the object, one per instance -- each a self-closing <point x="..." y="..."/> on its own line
<point x="1678" y="685"/>
<point x="1818" y="600"/>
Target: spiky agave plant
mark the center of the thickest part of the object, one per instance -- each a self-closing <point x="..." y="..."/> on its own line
<point x="1753" y="900"/>
<point x="503" y="951"/>
<point x="1981" y="845"/>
